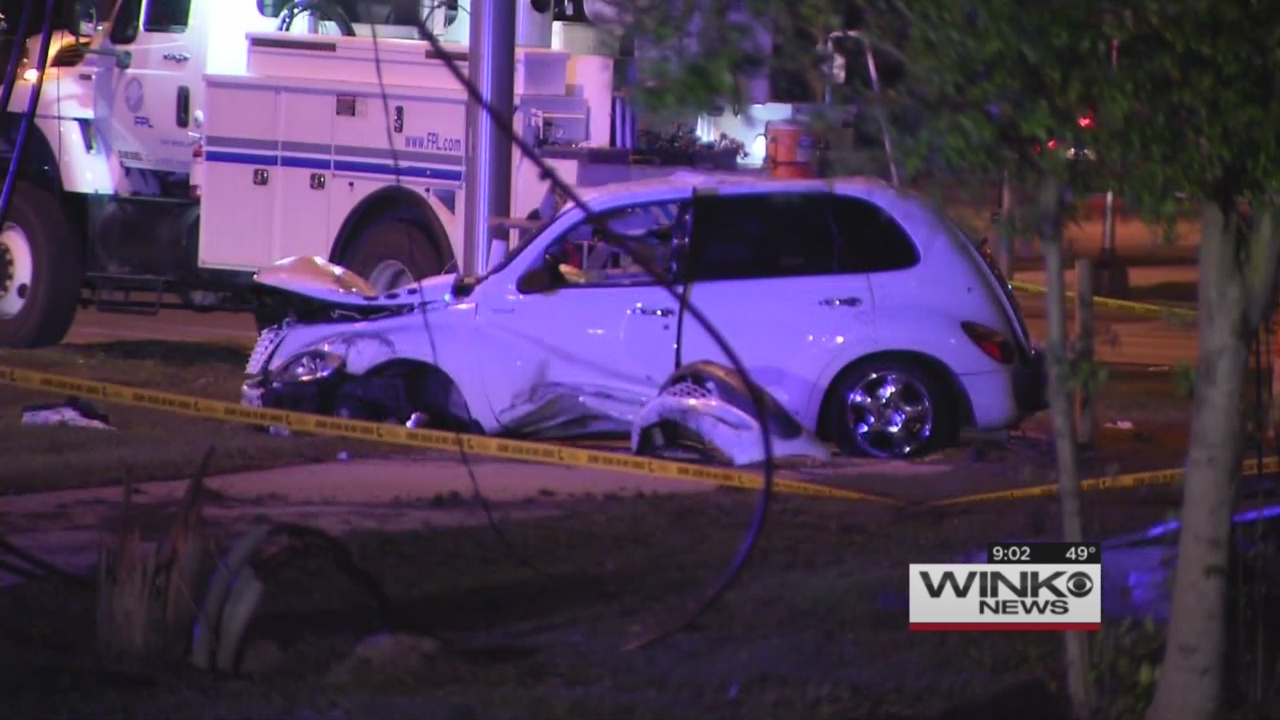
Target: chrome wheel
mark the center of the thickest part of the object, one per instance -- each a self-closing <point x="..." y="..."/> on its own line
<point x="889" y="415"/>
<point x="389" y="275"/>
<point x="16" y="270"/>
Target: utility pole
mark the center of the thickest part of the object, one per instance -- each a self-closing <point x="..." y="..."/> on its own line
<point x="491" y="61"/>
<point x="1111" y="276"/>
<point x="1109" y="209"/>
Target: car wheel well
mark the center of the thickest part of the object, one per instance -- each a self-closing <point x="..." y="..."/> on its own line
<point x="935" y="366"/>
<point x="428" y="389"/>
<point x="394" y="203"/>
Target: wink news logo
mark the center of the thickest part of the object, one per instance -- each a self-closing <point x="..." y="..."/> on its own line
<point x="1012" y="591"/>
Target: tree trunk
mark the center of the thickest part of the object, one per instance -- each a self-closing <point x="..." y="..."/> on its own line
<point x="1191" y="677"/>
<point x="1062" y="412"/>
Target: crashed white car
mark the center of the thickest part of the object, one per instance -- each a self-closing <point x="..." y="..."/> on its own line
<point x="870" y="317"/>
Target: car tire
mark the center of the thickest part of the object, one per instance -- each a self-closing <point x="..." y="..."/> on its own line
<point x="41" y="271"/>
<point x="919" y="416"/>
<point x="390" y="253"/>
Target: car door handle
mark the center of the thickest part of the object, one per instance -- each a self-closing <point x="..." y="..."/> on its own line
<point x="657" y="312"/>
<point x="841" y="302"/>
<point x="177" y="57"/>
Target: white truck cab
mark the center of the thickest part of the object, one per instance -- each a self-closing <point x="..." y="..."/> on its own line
<point x="188" y="143"/>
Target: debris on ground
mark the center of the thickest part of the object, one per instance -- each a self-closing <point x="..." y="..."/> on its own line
<point x="72" y="412"/>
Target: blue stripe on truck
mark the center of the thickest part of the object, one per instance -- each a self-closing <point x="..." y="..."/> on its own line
<point x="315" y="163"/>
<point x="241" y="158"/>
<point x="412" y="171"/>
<point x="310" y="163"/>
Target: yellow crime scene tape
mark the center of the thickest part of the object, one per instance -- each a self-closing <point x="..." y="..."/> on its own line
<point x="1144" y="309"/>
<point x="1115" y="482"/>
<point x="478" y="445"/>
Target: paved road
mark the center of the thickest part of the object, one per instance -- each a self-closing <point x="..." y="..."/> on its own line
<point x="92" y="326"/>
<point x="1140" y="278"/>
<point x="1133" y="340"/>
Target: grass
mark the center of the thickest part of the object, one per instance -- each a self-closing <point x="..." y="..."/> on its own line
<point x="146" y="444"/>
<point x="815" y="628"/>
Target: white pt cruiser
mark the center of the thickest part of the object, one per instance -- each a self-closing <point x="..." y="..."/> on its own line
<point x="867" y="313"/>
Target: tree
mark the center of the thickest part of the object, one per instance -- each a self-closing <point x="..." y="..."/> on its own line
<point x="1193" y="108"/>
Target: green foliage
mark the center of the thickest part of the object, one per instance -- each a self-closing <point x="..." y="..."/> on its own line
<point x="692" y="55"/>
<point x="1184" y="380"/>
<point x="1125" y="666"/>
<point x="1192" y="106"/>
<point x="988" y="80"/>
<point x="1189" y="107"/>
<point x="1089" y="376"/>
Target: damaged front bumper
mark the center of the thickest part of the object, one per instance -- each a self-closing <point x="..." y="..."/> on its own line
<point x="313" y="396"/>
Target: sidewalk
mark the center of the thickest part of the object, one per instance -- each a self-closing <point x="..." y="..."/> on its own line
<point x="341" y="497"/>
<point x="1138" y="244"/>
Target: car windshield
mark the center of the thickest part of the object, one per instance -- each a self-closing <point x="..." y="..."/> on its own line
<point x="526" y="239"/>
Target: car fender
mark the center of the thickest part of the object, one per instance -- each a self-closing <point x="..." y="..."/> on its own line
<point x="908" y="342"/>
<point x="938" y="333"/>
<point x="440" y="335"/>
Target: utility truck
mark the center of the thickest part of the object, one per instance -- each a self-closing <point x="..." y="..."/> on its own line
<point x="188" y="143"/>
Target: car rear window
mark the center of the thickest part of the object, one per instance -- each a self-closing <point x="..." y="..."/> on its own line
<point x="871" y="240"/>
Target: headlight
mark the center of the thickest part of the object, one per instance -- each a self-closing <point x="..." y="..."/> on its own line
<point x="309" y="366"/>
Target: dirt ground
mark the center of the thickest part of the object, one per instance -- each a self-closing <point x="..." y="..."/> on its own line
<point x="816" y="627"/>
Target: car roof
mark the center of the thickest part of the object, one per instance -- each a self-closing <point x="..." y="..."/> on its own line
<point x="908" y="206"/>
<point x="685" y="182"/>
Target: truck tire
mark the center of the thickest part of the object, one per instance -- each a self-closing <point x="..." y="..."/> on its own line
<point x="391" y="253"/>
<point x="41" y="270"/>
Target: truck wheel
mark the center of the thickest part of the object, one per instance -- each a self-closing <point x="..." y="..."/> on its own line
<point x="391" y="254"/>
<point x="41" y="269"/>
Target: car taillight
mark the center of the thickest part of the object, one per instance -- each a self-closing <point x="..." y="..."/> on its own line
<point x="990" y="342"/>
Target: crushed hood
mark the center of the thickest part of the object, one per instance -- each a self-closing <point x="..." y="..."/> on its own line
<point x="318" y="279"/>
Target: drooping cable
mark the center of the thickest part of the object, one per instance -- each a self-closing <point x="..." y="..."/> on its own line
<point x="750" y="540"/>
<point x="33" y="101"/>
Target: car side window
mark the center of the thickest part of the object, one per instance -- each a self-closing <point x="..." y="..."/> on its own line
<point x="613" y="248"/>
<point x="870" y="239"/>
<point x="167" y="16"/>
<point x="761" y="235"/>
